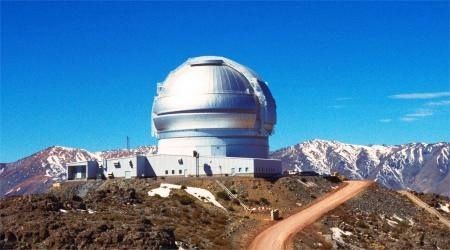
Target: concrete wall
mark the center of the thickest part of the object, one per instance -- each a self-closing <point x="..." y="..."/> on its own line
<point x="121" y="167"/>
<point x="267" y="167"/>
<point x="87" y="170"/>
<point x="177" y="165"/>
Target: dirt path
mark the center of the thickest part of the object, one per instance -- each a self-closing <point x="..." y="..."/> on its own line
<point x="425" y="206"/>
<point x="278" y="235"/>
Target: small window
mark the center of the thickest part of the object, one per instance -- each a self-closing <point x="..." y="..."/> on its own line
<point x="131" y="164"/>
<point x="117" y="164"/>
<point x="180" y="171"/>
<point x="167" y="171"/>
<point x="239" y="170"/>
<point x="246" y="169"/>
<point x="173" y="171"/>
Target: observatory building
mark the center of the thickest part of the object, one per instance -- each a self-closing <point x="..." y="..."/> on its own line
<point x="211" y="116"/>
<point x="215" y="106"/>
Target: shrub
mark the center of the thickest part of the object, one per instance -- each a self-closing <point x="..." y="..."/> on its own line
<point x="233" y="191"/>
<point x="222" y="195"/>
<point x="185" y="200"/>
<point x="183" y="187"/>
<point x="304" y="180"/>
<point x="264" y="201"/>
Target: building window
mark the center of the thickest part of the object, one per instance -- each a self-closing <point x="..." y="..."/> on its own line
<point x="167" y="171"/>
<point x="239" y="170"/>
<point x="173" y="171"/>
<point x="117" y="164"/>
<point x="180" y="171"/>
<point x="246" y="169"/>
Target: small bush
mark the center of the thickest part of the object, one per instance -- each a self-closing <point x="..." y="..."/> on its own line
<point x="264" y="201"/>
<point x="185" y="200"/>
<point x="304" y="180"/>
<point x="183" y="187"/>
<point x="233" y="191"/>
<point x="222" y="195"/>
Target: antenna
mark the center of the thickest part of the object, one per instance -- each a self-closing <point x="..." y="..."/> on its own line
<point x="128" y="143"/>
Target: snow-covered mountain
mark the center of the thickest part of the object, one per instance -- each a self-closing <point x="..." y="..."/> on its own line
<point x="418" y="166"/>
<point x="36" y="173"/>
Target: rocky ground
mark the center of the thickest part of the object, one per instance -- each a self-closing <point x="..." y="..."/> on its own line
<point x="120" y="214"/>
<point x="376" y="219"/>
<point x="438" y="202"/>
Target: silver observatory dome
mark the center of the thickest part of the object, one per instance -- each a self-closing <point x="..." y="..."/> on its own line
<point x="215" y="106"/>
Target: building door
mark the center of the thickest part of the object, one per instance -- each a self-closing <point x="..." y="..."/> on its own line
<point x="127" y="174"/>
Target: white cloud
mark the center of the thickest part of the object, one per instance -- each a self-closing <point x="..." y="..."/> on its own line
<point x="439" y="103"/>
<point x="408" y="119"/>
<point x="385" y="120"/>
<point x="430" y="95"/>
<point x="336" y="106"/>
<point x="420" y="113"/>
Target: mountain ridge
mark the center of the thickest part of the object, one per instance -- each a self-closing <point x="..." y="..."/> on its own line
<point x="423" y="167"/>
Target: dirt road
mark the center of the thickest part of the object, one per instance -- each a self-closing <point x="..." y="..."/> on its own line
<point x="425" y="206"/>
<point x="278" y="235"/>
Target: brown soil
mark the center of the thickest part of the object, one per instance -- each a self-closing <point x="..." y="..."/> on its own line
<point x="126" y="217"/>
<point x="377" y="219"/>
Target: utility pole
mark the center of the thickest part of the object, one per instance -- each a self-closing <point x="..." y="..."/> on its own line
<point x="128" y="143"/>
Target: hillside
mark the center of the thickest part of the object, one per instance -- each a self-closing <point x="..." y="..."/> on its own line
<point x="377" y="219"/>
<point x="417" y="166"/>
<point x="36" y="173"/>
<point x="117" y="213"/>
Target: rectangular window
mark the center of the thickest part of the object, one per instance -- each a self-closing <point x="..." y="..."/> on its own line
<point x="239" y="170"/>
<point x="173" y="171"/>
<point x="117" y="164"/>
<point x="180" y="171"/>
<point x="167" y="171"/>
<point x="246" y="169"/>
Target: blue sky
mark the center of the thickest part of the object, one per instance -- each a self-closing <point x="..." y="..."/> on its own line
<point x="83" y="74"/>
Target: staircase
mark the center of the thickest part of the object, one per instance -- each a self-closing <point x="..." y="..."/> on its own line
<point x="232" y="196"/>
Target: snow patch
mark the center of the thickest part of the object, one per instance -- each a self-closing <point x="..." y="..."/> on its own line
<point x="163" y="190"/>
<point x="203" y="195"/>
<point x="397" y="218"/>
<point x="337" y="234"/>
<point x="391" y="223"/>
<point x="199" y="193"/>
<point x="445" y="208"/>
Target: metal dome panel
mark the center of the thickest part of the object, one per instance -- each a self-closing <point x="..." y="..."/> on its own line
<point x="214" y="97"/>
